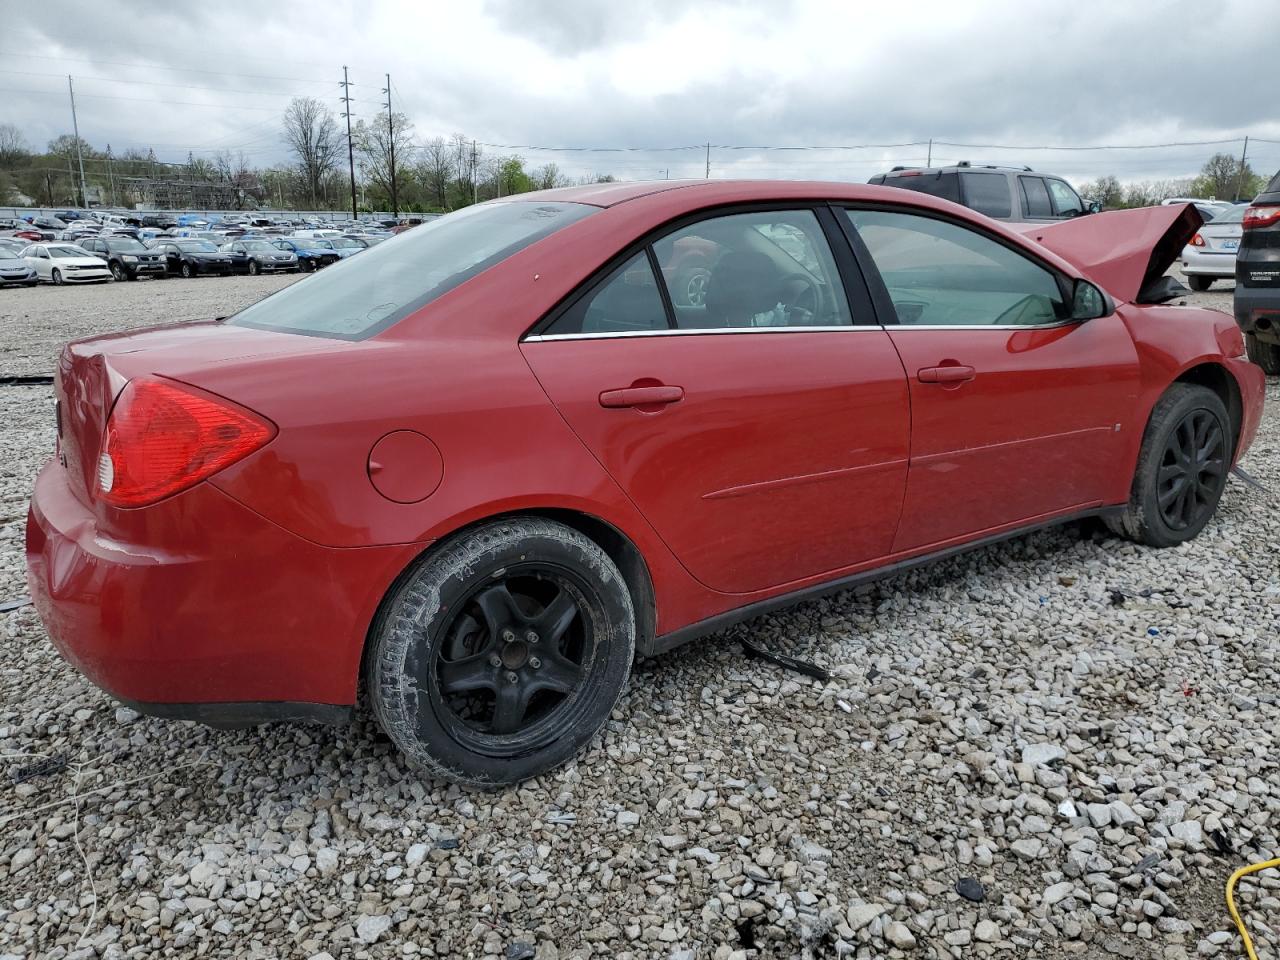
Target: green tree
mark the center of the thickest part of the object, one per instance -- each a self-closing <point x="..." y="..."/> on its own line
<point x="1105" y="190"/>
<point x="1224" y="177"/>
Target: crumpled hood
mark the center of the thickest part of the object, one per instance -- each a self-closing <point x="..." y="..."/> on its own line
<point x="1122" y="250"/>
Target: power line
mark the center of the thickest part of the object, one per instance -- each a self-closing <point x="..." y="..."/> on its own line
<point x="176" y="103"/>
<point x="153" y="83"/>
<point x="156" y="66"/>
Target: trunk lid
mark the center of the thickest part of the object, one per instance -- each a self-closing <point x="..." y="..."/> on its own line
<point x="1123" y="251"/>
<point x="91" y="374"/>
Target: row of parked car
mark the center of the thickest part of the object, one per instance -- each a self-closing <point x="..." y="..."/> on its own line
<point x="99" y="249"/>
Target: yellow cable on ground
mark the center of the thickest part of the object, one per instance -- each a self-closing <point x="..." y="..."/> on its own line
<point x="1231" y="901"/>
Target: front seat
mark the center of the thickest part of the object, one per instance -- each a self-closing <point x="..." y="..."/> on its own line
<point x="743" y="284"/>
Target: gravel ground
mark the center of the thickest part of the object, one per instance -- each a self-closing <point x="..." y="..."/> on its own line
<point x="36" y="321"/>
<point x="1055" y="747"/>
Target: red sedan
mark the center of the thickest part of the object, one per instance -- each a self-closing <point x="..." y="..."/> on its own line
<point x="485" y="464"/>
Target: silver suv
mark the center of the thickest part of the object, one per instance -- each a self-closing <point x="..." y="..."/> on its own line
<point x="1014" y="194"/>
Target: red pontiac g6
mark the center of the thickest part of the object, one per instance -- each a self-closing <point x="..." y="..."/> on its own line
<point x="485" y="464"/>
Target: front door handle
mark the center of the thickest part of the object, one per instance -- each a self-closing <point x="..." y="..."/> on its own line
<point x="951" y="373"/>
<point x="641" y="396"/>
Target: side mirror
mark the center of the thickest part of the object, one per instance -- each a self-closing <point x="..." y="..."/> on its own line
<point x="1095" y="206"/>
<point x="1089" y="302"/>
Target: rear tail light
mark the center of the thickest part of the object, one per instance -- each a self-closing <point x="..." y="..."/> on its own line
<point x="162" y="438"/>
<point x="1197" y="241"/>
<point x="1256" y="217"/>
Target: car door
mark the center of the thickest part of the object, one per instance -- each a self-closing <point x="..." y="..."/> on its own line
<point x="1018" y="412"/>
<point x="761" y="431"/>
<point x="39" y="258"/>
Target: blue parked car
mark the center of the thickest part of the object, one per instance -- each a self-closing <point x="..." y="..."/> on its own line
<point x="312" y="254"/>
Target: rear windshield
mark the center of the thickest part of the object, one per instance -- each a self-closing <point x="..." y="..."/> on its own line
<point x="357" y="297"/>
<point x="944" y="185"/>
<point x="1274" y="185"/>
<point x="1233" y="214"/>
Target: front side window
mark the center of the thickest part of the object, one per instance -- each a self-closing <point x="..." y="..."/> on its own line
<point x="1066" y="202"/>
<point x="987" y="193"/>
<point x="627" y="301"/>
<point x="359" y="296"/>
<point x="1035" y="198"/>
<point x="745" y="270"/>
<point x="942" y="274"/>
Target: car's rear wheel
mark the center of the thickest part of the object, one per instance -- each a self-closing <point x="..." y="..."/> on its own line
<point x="1182" y="468"/>
<point x="500" y="654"/>
<point x="1264" y="354"/>
<point x="1200" y="283"/>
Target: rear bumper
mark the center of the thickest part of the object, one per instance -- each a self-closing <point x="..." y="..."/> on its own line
<point x="199" y="607"/>
<point x="1257" y="310"/>
<point x="1198" y="263"/>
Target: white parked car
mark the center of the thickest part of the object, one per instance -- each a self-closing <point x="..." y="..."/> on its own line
<point x="1211" y="254"/>
<point x="65" y="263"/>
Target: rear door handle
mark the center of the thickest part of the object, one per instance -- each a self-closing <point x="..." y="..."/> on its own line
<point x="952" y="373"/>
<point x="641" y="396"/>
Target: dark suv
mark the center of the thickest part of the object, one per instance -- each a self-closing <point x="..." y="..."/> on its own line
<point x="1016" y="194"/>
<point x="1258" y="278"/>
<point x="127" y="257"/>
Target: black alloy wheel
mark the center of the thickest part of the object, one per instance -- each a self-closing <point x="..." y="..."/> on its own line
<point x="502" y="652"/>
<point x="1192" y="470"/>
<point x="1187" y="451"/>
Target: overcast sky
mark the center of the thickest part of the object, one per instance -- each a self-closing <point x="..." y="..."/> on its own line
<point x="670" y="73"/>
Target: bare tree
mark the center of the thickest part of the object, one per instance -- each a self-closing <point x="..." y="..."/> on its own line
<point x="377" y="147"/>
<point x="545" y="178"/>
<point x="13" y="145"/>
<point x="436" y="159"/>
<point x="312" y="134"/>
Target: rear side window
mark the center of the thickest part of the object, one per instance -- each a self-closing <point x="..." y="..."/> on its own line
<point x="987" y="193"/>
<point x="944" y="185"/>
<point x="627" y="301"/>
<point x="1035" y="197"/>
<point x="357" y="297"/>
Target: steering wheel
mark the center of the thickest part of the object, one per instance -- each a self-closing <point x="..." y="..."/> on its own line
<point x="802" y="299"/>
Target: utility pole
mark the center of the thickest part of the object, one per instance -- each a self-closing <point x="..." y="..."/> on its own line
<point x="708" y="173"/>
<point x="111" y="178"/>
<point x="351" y="151"/>
<point x="75" y="128"/>
<point x="929" y="162"/>
<point x="1244" y="155"/>
<point x="475" y="187"/>
<point x="391" y="143"/>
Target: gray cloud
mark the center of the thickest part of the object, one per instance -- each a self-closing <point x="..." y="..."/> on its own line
<point x="675" y="72"/>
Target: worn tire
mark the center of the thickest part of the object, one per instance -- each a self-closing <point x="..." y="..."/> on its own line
<point x="1141" y="520"/>
<point x="410" y="630"/>
<point x="1264" y="354"/>
<point x="1199" y="283"/>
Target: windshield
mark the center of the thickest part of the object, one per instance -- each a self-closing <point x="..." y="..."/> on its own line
<point x="124" y="245"/>
<point x="361" y="295"/>
<point x="259" y="246"/>
<point x="7" y="254"/>
<point x="197" y="246"/>
<point x="319" y="245"/>
<point x="66" y="253"/>
<point x="345" y="244"/>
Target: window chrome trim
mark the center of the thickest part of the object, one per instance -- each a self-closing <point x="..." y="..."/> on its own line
<point x="842" y="328"/>
<point x="694" y="331"/>
<point x="987" y="326"/>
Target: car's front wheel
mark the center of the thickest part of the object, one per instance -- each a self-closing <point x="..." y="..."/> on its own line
<point x="1200" y="283"/>
<point x="1182" y="468"/>
<point x="254" y="269"/>
<point x="501" y="653"/>
<point x="57" y="276"/>
<point x="1264" y="354"/>
<point x="117" y="271"/>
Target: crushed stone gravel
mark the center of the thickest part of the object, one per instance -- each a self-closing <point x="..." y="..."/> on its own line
<point x="1059" y="746"/>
